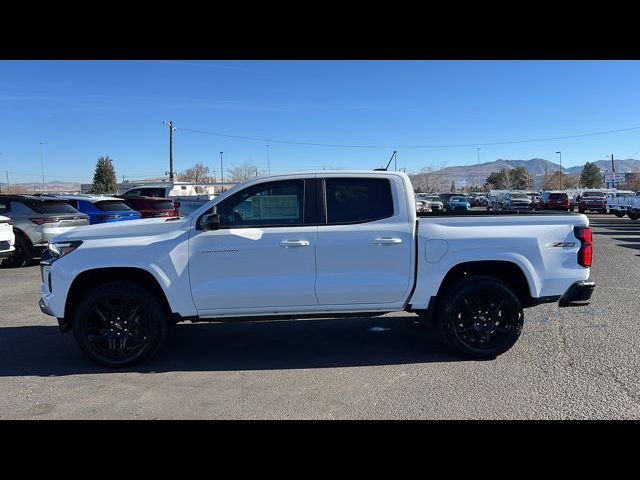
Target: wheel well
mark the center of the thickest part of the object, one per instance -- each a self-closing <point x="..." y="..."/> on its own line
<point x="507" y="272"/>
<point x="88" y="280"/>
<point x="17" y="231"/>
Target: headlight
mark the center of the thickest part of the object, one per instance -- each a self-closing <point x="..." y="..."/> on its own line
<point x="60" y="249"/>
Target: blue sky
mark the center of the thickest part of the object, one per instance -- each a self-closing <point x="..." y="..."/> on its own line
<point x="84" y="109"/>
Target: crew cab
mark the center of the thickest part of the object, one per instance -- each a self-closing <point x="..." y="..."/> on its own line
<point x="320" y="244"/>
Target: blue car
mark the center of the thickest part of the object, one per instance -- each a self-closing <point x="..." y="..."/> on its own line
<point x="458" y="202"/>
<point x="101" y="209"/>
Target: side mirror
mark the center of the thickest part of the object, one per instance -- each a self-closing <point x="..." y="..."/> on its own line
<point x="209" y="222"/>
<point x="176" y="204"/>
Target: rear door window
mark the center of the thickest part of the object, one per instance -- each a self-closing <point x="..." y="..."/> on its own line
<point x="358" y="200"/>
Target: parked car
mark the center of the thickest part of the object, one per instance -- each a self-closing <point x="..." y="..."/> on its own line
<point x="101" y="209"/>
<point x="594" y="201"/>
<point x="353" y="246"/>
<point x="7" y="238"/>
<point x="184" y="195"/>
<point x="618" y="202"/>
<point x="458" y="202"/>
<point x="36" y="220"/>
<point x="152" y="207"/>
<point x="555" y="201"/>
<point x="516" y="201"/>
<point x="435" y="202"/>
<point x="422" y="207"/>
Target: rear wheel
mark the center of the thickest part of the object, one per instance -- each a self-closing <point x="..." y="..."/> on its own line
<point x="480" y="317"/>
<point x="634" y="216"/>
<point x="120" y="324"/>
<point x="22" y="255"/>
<point x="618" y="213"/>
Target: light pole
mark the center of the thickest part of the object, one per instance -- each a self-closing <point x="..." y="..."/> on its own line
<point x="478" y="149"/>
<point x="560" y="153"/>
<point x="42" y="162"/>
<point x="613" y="171"/>
<point x="268" y="159"/>
<point x="221" y="172"/>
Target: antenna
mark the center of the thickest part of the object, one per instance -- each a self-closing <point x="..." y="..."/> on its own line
<point x="390" y="160"/>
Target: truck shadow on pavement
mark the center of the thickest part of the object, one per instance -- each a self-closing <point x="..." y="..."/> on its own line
<point x="290" y="344"/>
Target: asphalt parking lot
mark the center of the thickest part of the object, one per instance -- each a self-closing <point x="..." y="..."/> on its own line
<point x="572" y="363"/>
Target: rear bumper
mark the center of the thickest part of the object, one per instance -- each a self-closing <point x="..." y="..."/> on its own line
<point x="578" y="292"/>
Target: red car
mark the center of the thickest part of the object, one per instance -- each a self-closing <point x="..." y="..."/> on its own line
<point x="152" y="207"/>
<point x="556" y="201"/>
<point x="593" y="201"/>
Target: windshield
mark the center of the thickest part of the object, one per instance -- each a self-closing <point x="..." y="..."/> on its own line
<point x="434" y="199"/>
<point x="518" y="195"/>
<point x="558" y="196"/>
<point x="593" y="194"/>
<point x="458" y="199"/>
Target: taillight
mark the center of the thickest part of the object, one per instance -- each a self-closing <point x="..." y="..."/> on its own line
<point x="585" y="254"/>
<point x="41" y="220"/>
<point x="108" y="217"/>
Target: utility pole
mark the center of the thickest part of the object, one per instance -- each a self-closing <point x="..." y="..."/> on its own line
<point x="221" y="171"/>
<point x="171" y="130"/>
<point x="395" y="160"/>
<point x="268" y="160"/>
<point x="42" y="162"/>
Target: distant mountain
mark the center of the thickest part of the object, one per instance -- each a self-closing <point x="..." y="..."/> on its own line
<point x="469" y="175"/>
<point x="622" y="166"/>
<point x="53" y="186"/>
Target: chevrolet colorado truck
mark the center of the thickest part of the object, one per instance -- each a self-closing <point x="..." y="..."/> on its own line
<point x="320" y="244"/>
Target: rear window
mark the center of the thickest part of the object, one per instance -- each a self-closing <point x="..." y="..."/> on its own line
<point x="52" y="207"/>
<point x="112" y="205"/>
<point x="164" y="205"/>
<point x="593" y="194"/>
<point x="357" y="200"/>
<point x="558" y="196"/>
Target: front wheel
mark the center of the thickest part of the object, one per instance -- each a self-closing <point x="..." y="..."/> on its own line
<point x="618" y="213"/>
<point x="480" y="317"/>
<point x="120" y="324"/>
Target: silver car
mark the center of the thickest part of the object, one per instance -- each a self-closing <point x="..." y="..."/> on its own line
<point x="36" y="220"/>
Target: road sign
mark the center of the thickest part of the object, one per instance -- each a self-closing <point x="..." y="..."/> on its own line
<point x="619" y="177"/>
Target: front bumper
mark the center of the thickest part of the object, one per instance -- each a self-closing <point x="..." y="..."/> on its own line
<point x="578" y="292"/>
<point x="7" y="253"/>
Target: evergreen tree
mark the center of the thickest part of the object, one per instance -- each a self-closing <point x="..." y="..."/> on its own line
<point x="453" y="185"/>
<point x="104" y="178"/>
<point x="590" y="176"/>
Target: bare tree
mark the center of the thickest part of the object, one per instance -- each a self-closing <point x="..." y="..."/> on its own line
<point x="429" y="179"/>
<point x="243" y="172"/>
<point x="199" y="173"/>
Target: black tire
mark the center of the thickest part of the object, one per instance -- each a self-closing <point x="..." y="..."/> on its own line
<point x="22" y="255"/>
<point x="471" y="332"/>
<point x="633" y="216"/>
<point x="581" y="210"/>
<point x="618" y="213"/>
<point x="120" y="324"/>
<point x="603" y="211"/>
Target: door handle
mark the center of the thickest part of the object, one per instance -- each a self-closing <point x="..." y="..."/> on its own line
<point x="294" y="243"/>
<point x="387" y="240"/>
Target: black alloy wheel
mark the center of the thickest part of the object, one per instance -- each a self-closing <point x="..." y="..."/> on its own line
<point x="120" y="324"/>
<point x="481" y="317"/>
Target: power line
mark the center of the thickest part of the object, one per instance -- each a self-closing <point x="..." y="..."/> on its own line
<point x="257" y="139"/>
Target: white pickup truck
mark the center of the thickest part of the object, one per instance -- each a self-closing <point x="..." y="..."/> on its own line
<point x="325" y="244"/>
